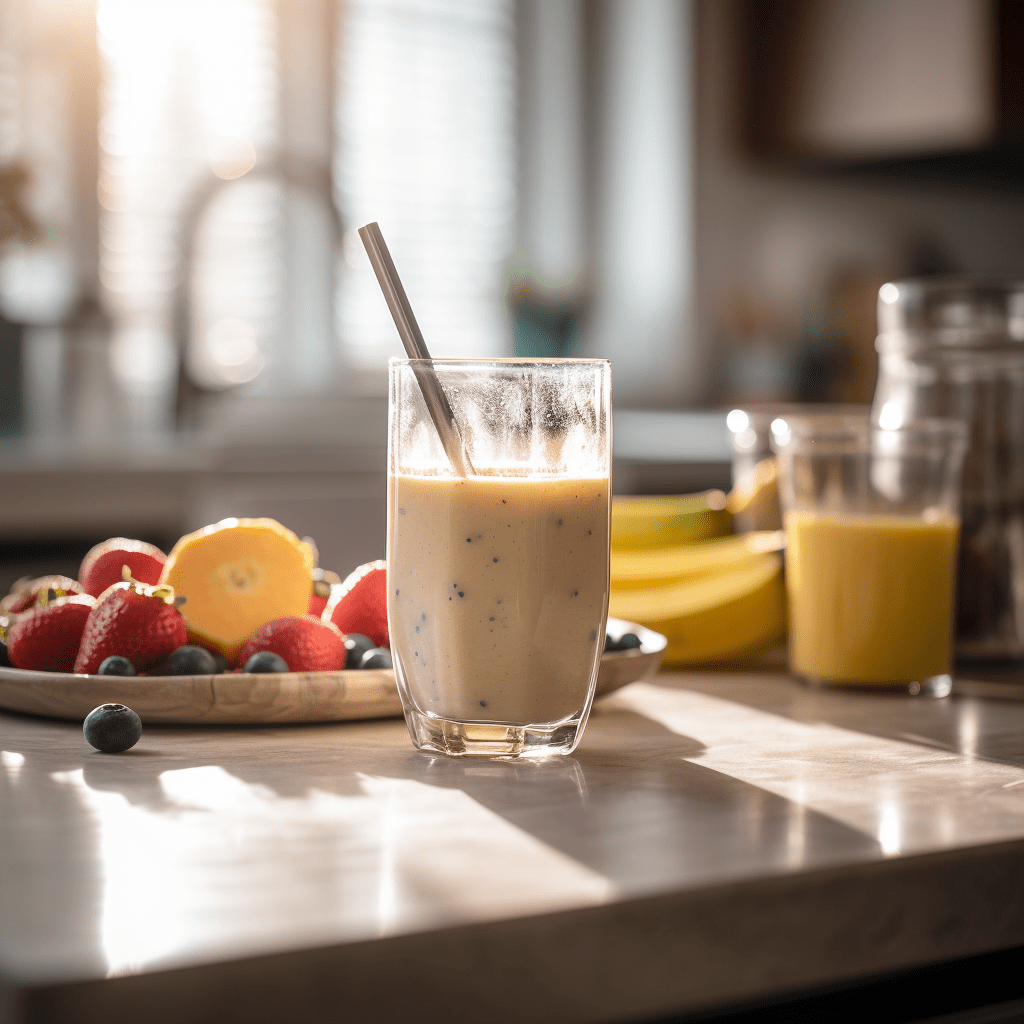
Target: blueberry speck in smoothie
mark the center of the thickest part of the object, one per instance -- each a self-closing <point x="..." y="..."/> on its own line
<point x="417" y="629"/>
<point x="469" y="540"/>
<point x="491" y="619"/>
<point x="494" y="559"/>
<point x="462" y="593"/>
<point x="483" y="703"/>
<point x="499" y="600"/>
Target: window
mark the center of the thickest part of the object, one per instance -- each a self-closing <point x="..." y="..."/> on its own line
<point x="424" y="143"/>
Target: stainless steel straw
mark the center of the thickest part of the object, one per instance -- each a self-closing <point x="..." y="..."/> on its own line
<point x="416" y="348"/>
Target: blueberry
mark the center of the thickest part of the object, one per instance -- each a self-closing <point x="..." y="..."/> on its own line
<point x="626" y="642"/>
<point x="376" y="657"/>
<point x="115" y="665"/>
<point x="266" y="661"/>
<point x="190" y="661"/>
<point x="356" y="644"/>
<point x="112" y="728"/>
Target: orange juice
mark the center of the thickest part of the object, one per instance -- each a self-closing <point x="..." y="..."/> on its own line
<point x="870" y="596"/>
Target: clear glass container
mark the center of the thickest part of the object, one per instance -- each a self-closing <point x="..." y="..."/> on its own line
<point x="956" y="348"/>
<point x="498" y="580"/>
<point x="871" y="539"/>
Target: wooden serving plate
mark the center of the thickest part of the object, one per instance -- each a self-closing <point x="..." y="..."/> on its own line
<point x="267" y="699"/>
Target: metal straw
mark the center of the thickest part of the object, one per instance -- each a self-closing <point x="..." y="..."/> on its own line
<point x="416" y="348"/>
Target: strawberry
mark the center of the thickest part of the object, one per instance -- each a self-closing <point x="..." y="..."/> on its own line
<point x="25" y="593"/>
<point x="47" y="636"/>
<point x="307" y="644"/>
<point x="360" y="604"/>
<point x="103" y="565"/>
<point x="139" y="622"/>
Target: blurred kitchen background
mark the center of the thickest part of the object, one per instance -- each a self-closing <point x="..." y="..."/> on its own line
<point x="708" y="192"/>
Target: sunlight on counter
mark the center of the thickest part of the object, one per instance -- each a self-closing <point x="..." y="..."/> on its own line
<point x="884" y="788"/>
<point x="179" y="871"/>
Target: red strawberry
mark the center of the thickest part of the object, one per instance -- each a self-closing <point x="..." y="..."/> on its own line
<point x="102" y="566"/>
<point x="360" y="604"/>
<point x="25" y="593"/>
<point x="306" y="644"/>
<point x="47" y="636"/>
<point x="139" y="622"/>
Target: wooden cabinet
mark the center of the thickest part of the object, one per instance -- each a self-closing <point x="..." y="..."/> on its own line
<point x="853" y="81"/>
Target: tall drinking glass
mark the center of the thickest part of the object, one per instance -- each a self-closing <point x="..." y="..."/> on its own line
<point x="498" y="581"/>
<point x="872" y="523"/>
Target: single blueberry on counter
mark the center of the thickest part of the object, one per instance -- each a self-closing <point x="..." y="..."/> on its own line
<point x="190" y="661"/>
<point x="112" y="728"/>
<point x="378" y="657"/>
<point x="356" y="645"/>
<point x="266" y="661"/>
<point x="115" y="665"/>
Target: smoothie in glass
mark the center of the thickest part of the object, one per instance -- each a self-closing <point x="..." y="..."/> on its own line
<point x="498" y="593"/>
<point x="498" y="560"/>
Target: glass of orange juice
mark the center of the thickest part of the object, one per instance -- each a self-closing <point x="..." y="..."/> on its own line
<point x="872" y="525"/>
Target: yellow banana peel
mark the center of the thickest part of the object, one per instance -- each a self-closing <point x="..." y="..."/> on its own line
<point x="755" y="503"/>
<point x="632" y="569"/>
<point x="663" y="521"/>
<point x="732" y="613"/>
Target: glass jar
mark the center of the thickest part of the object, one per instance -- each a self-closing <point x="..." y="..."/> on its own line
<point x="955" y="348"/>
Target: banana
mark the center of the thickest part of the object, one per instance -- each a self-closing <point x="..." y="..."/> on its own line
<point x="662" y="566"/>
<point x="754" y="504"/>
<point x="735" y="612"/>
<point x="661" y="522"/>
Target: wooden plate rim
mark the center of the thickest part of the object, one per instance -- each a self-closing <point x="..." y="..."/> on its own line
<point x="271" y="698"/>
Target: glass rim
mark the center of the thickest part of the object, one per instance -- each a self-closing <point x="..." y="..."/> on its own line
<point x="853" y="434"/>
<point x="916" y="316"/>
<point x="499" y="361"/>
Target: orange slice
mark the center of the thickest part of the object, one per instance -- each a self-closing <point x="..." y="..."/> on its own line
<point x="235" y="576"/>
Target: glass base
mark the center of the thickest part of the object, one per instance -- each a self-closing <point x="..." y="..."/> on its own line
<point x="492" y="739"/>
<point x="931" y="686"/>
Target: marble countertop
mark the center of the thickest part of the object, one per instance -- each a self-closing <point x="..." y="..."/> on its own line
<point x="717" y="837"/>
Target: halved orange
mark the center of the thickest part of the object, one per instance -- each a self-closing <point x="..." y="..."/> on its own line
<point x="235" y="576"/>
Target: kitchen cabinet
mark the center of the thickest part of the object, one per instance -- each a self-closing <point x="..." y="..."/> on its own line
<point x="857" y="81"/>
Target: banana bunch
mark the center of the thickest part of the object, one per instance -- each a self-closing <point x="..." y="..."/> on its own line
<point x="660" y="522"/>
<point x="676" y="569"/>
